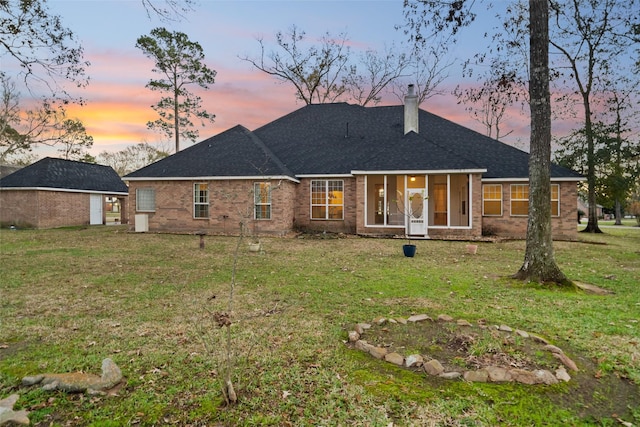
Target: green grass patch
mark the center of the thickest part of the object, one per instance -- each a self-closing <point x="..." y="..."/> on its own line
<point x="71" y="297"/>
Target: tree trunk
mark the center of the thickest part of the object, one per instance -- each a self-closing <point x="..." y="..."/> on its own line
<point x="592" y="225"/>
<point x="176" y="120"/>
<point x="618" y="212"/>
<point x="539" y="261"/>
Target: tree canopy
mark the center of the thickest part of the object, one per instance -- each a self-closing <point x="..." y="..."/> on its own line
<point x="180" y="63"/>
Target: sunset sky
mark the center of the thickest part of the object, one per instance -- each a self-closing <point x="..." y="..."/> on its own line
<point x="118" y="104"/>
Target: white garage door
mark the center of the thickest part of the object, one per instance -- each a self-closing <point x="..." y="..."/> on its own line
<point x="95" y="209"/>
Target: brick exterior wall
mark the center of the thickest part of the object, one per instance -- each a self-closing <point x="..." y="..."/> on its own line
<point x="44" y="209"/>
<point x="230" y="202"/>
<point x="563" y="227"/>
<point x="303" y="219"/>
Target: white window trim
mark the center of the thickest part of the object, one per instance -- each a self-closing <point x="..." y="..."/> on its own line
<point x="256" y="189"/>
<point x="493" y="200"/>
<point x="151" y="191"/>
<point x="326" y="202"/>
<point x="196" y="203"/>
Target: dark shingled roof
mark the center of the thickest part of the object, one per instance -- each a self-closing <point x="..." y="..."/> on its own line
<point x="340" y="138"/>
<point x="235" y="152"/>
<point x="66" y="174"/>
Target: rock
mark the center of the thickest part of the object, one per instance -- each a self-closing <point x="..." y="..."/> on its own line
<point x="445" y="318"/>
<point x="8" y="415"/>
<point x="545" y="377"/>
<point x="523" y="334"/>
<point x="480" y="376"/>
<point x="450" y="375"/>
<point x="566" y="361"/>
<point x="380" y="320"/>
<point x="362" y="345"/>
<point x="395" y="358"/>
<point x="394" y="321"/>
<point x="523" y="376"/>
<point x="32" y="380"/>
<point x="353" y="336"/>
<point x="79" y="381"/>
<point x="553" y="349"/>
<point x="498" y="375"/>
<point x="419" y="318"/>
<point x="462" y="322"/>
<point x="413" y="360"/>
<point x="377" y="352"/>
<point x="505" y="328"/>
<point x="402" y="320"/>
<point x="539" y="339"/>
<point x="433" y="367"/>
<point x="562" y="375"/>
<point x="361" y="327"/>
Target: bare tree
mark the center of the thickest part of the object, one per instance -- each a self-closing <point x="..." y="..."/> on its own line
<point x="168" y="10"/>
<point x="325" y="70"/>
<point x="590" y="36"/>
<point x="22" y="130"/>
<point x="132" y="158"/>
<point x="427" y="69"/>
<point x="45" y="50"/>
<point x="72" y="139"/>
<point x="488" y="104"/>
<point x="379" y="72"/>
<point x="316" y="71"/>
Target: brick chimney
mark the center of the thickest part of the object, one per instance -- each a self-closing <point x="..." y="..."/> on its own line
<point x="410" y="111"/>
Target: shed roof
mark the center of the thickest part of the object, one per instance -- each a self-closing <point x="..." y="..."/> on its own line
<point x="60" y="174"/>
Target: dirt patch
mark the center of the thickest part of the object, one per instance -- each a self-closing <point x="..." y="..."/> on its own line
<point x="589" y="393"/>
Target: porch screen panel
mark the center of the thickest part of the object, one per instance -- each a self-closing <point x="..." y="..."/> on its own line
<point x="440" y="204"/>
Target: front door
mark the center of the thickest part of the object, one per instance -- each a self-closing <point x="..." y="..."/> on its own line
<point x="416" y="212"/>
<point x="95" y="209"/>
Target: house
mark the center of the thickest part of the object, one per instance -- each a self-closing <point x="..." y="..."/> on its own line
<point x="345" y="168"/>
<point x="56" y="193"/>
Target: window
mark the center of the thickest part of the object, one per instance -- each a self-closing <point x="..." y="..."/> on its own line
<point x="145" y="200"/>
<point x="327" y="199"/>
<point x="262" y="200"/>
<point x="555" y="200"/>
<point x="519" y="199"/>
<point x="200" y="200"/>
<point x="492" y="200"/>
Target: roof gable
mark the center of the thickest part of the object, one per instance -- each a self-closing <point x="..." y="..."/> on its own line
<point x="63" y="174"/>
<point x="235" y="152"/>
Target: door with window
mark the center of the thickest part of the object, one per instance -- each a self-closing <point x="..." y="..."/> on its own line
<point x="416" y="210"/>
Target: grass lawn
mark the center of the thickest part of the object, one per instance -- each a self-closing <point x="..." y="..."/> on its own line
<point x="71" y="297"/>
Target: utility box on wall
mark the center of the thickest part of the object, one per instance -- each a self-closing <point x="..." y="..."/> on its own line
<point x="142" y="223"/>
